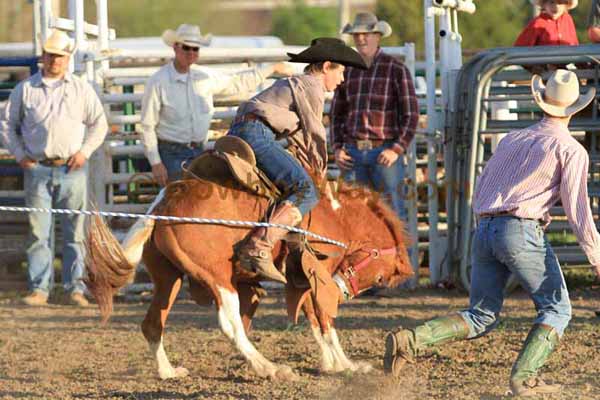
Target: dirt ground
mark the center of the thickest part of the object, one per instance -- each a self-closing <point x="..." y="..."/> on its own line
<point x="60" y="352"/>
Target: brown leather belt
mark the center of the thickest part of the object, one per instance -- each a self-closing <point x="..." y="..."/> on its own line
<point x="496" y="214"/>
<point x="53" y="162"/>
<point x="249" y="117"/>
<point x="368" y="144"/>
<point x="189" y="145"/>
<point x="508" y="214"/>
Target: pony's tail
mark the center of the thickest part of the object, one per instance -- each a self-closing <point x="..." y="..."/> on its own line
<point x="109" y="265"/>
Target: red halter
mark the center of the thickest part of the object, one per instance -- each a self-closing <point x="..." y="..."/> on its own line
<point x="351" y="271"/>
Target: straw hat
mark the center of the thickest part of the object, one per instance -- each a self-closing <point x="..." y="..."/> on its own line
<point x="560" y="96"/>
<point x="368" y="23"/>
<point x="329" y="49"/>
<point x="572" y="3"/>
<point x="186" y="34"/>
<point x="59" y="43"/>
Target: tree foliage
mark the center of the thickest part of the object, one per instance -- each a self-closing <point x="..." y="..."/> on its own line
<point x="406" y="19"/>
<point x="150" y="18"/>
<point x="300" y="24"/>
<point x="495" y="23"/>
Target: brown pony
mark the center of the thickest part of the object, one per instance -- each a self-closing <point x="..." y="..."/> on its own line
<point x="205" y="253"/>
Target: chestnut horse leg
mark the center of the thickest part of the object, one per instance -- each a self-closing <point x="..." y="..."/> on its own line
<point x="334" y="358"/>
<point x="233" y="327"/>
<point x="327" y="359"/>
<point x="249" y="301"/>
<point x="227" y="300"/>
<point x="331" y="338"/>
<point x="167" y="282"/>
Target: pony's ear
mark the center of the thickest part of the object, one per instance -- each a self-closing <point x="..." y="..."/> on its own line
<point x="401" y="237"/>
<point x="404" y="266"/>
<point x="395" y="281"/>
<point x="400" y="276"/>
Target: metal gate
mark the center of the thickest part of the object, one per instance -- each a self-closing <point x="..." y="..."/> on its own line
<point x="489" y="78"/>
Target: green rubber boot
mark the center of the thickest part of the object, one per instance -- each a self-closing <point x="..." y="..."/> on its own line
<point x="540" y="343"/>
<point x="404" y="345"/>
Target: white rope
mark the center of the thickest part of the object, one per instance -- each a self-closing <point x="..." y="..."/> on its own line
<point x="192" y="220"/>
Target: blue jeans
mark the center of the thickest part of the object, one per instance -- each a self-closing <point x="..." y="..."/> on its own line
<point x="387" y="180"/>
<point x="280" y="166"/>
<point x="174" y="155"/>
<point x="53" y="187"/>
<point x="504" y="245"/>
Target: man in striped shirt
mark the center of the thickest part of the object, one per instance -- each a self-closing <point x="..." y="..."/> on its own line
<point x="374" y="115"/>
<point x="530" y="171"/>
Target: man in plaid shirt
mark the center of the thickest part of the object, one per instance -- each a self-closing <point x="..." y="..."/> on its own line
<point x="374" y="115"/>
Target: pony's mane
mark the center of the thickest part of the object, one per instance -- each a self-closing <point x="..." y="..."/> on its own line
<point x="346" y="195"/>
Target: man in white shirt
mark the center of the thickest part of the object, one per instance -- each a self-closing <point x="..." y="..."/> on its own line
<point x="52" y="123"/>
<point x="177" y="106"/>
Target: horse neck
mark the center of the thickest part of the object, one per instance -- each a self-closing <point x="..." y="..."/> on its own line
<point x="362" y="223"/>
<point x="324" y="221"/>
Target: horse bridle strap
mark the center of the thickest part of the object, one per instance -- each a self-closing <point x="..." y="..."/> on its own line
<point x="351" y="271"/>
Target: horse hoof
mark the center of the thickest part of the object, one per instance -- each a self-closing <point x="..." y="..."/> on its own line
<point x="174" y="373"/>
<point x="285" y="373"/>
<point x="331" y="370"/>
<point x="181" y="372"/>
<point x="363" y="367"/>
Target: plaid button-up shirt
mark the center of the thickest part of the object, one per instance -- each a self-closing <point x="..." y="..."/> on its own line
<point x="378" y="103"/>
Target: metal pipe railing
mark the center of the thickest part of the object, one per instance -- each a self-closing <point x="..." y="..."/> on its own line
<point x="466" y="127"/>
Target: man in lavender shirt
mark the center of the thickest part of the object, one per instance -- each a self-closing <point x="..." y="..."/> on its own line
<point x="530" y="171"/>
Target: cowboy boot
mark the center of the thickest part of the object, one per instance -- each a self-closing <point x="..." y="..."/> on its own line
<point x="256" y="254"/>
<point x="540" y="343"/>
<point x="36" y="298"/>
<point x="403" y="346"/>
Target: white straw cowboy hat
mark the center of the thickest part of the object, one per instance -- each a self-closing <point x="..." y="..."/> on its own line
<point x="186" y="34"/>
<point x="572" y="3"/>
<point x="59" y="43"/>
<point x="368" y="23"/>
<point x="560" y="96"/>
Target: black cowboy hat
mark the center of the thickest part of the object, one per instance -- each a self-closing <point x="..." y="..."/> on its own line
<point x="329" y="49"/>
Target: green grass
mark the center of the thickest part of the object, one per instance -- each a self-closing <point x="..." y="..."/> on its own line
<point x="561" y="238"/>
<point x="580" y="278"/>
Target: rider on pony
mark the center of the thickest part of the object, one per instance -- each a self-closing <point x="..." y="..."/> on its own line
<point x="291" y="109"/>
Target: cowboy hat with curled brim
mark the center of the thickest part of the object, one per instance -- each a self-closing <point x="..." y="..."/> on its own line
<point x="572" y="3"/>
<point x="560" y="96"/>
<point x="186" y="34"/>
<point x="59" y="43"/>
<point x="368" y="23"/>
<point x="329" y="49"/>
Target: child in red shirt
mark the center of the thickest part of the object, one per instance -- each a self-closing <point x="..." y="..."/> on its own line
<point x="553" y="27"/>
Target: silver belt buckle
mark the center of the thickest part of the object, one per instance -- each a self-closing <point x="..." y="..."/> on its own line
<point x="364" y="145"/>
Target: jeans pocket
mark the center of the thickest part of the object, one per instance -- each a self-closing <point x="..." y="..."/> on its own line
<point x="533" y="236"/>
<point x="508" y="239"/>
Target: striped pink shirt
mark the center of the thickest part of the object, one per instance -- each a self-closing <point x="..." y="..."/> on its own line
<point x="530" y="171"/>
